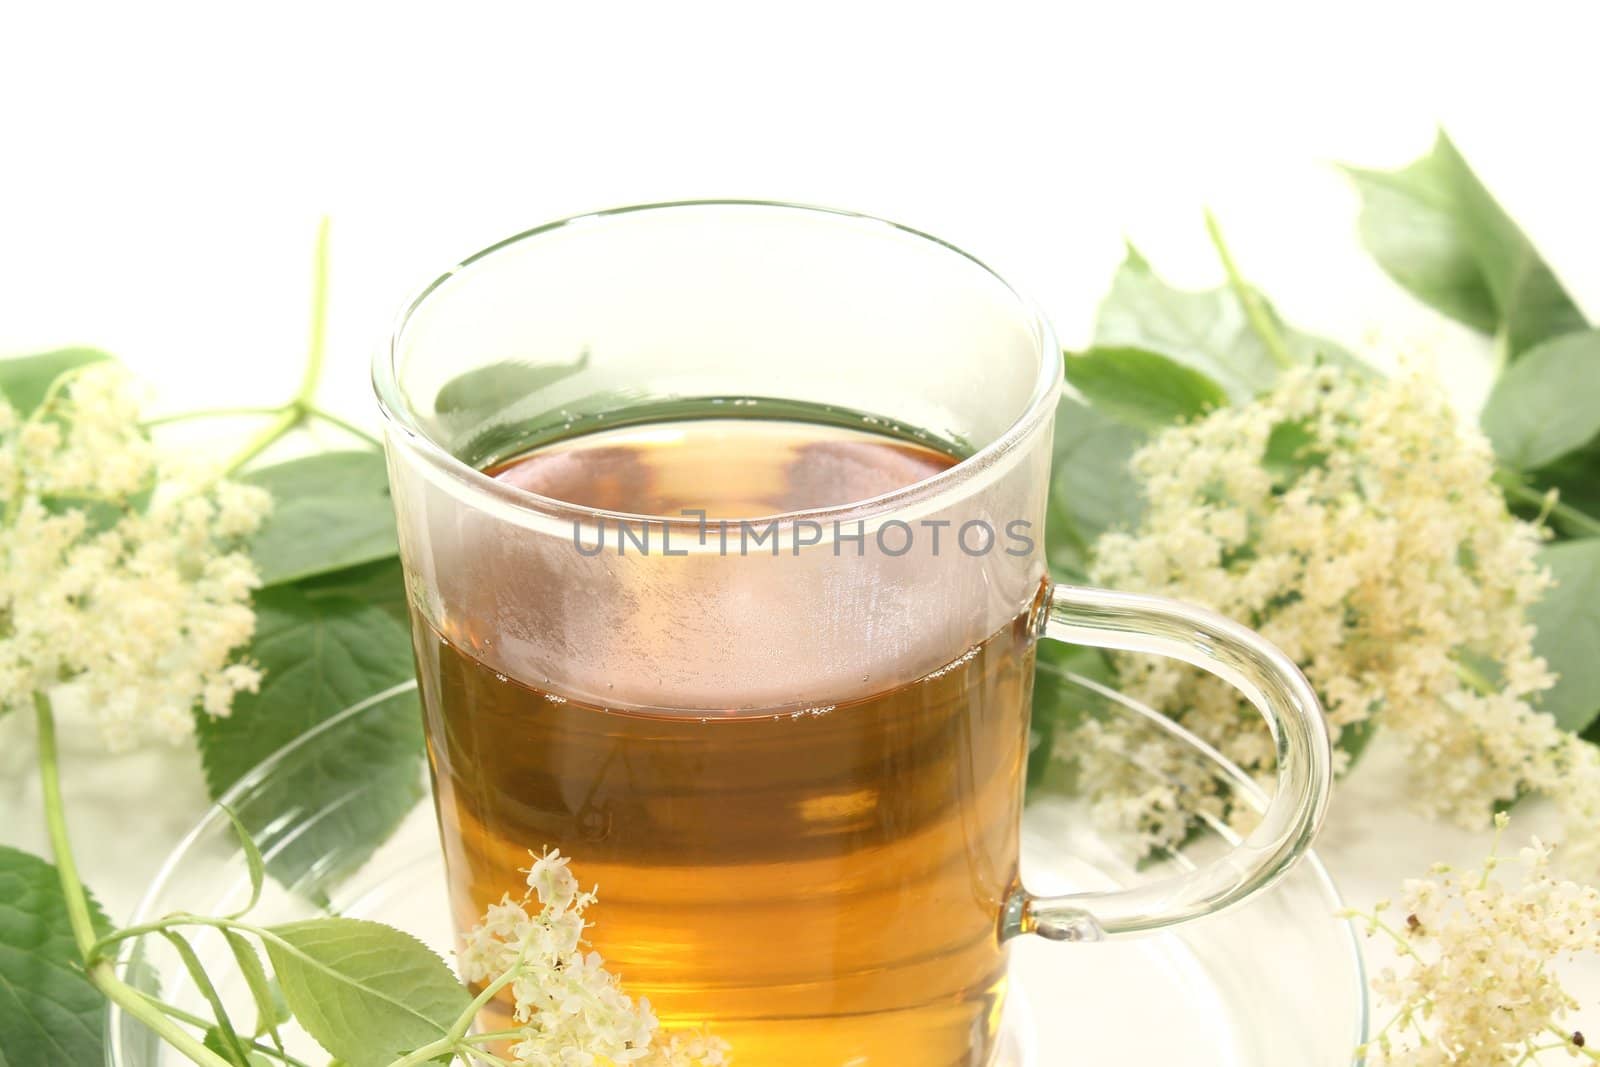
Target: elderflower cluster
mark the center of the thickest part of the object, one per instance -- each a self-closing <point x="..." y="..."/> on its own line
<point x="1157" y="807"/>
<point x="121" y="579"/>
<point x="1478" y="982"/>
<point x="571" y="1011"/>
<point x="1354" y="523"/>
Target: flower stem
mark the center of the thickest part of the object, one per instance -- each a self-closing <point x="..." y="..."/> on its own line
<point x="1572" y="1049"/>
<point x="348" y="427"/>
<point x="1249" y="299"/>
<point x="101" y="974"/>
<point x="297" y="410"/>
<point x="288" y="418"/>
<point x="319" y="319"/>
<point x="456" y="1040"/>
<point x="194" y="1020"/>
<point x="208" y="413"/>
<point x="427" y="1053"/>
<point x="1567" y="516"/>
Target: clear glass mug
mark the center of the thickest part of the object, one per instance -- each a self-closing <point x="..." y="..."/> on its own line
<point x="795" y="771"/>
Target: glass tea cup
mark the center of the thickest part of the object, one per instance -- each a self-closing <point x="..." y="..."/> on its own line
<point x="722" y="525"/>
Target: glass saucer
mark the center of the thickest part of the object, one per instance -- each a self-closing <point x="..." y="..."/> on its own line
<point x="1276" y="981"/>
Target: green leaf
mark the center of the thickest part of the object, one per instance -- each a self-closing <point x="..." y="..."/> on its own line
<point x="214" y="1040"/>
<point x="1576" y="476"/>
<point x="1568" y="622"/>
<point x="1547" y="403"/>
<point x="49" y="1013"/>
<point x="330" y="511"/>
<point x="320" y="657"/>
<point x="1141" y="388"/>
<point x="26" y="380"/>
<point x="1353" y="740"/>
<point x="1091" y="488"/>
<point x="1435" y="229"/>
<point x="367" y="992"/>
<point x="253" y="861"/>
<point x="1207" y="330"/>
<point x="1061" y="704"/>
<point x="488" y="390"/>
<point x="381" y="584"/>
<point x="270" y="1014"/>
<point x="232" y="1049"/>
<point x="1291" y="451"/>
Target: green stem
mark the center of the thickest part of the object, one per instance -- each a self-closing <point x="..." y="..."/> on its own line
<point x="348" y="427"/>
<point x="1249" y="299"/>
<point x="456" y="1036"/>
<point x="194" y="1020"/>
<point x="101" y="974"/>
<point x="1566" y="1043"/>
<point x="493" y="1035"/>
<point x="319" y="319"/>
<point x="208" y="413"/>
<point x="78" y="916"/>
<point x="287" y="419"/>
<point x="1573" y="520"/>
<point x="300" y="408"/>
<point x="465" y="1019"/>
<point x="431" y="1051"/>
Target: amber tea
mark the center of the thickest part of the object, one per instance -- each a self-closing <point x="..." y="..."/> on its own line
<point x="820" y="883"/>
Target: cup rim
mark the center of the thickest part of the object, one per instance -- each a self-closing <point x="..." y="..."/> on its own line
<point x="404" y="427"/>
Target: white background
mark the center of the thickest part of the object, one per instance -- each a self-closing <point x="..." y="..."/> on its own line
<point x="162" y="170"/>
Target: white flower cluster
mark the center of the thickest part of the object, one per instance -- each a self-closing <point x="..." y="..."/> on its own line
<point x="1170" y="788"/>
<point x="1354" y="522"/>
<point x="1479" y="983"/>
<point x="121" y="581"/>
<point x="572" y="1011"/>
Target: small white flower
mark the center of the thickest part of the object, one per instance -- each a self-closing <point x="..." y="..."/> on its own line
<point x="1479" y="979"/>
<point x="1383" y="560"/>
<point x="551" y="881"/>
<point x="118" y="579"/>
<point x="573" y="1012"/>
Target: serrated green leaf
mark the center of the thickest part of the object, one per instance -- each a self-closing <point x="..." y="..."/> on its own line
<point x="229" y="1045"/>
<point x="320" y="657"/>
<point x="330" y="511"/>
<point x="367" y="992"/>
<point x="49" y="1013"/>
<point x="270" y="1014"/>
<point x="381" y="583"/>
<point x="1207" y="330"/>
<point x="1436" y="230"/>
<point x="1091" y="488"/>
<point x="26" y="380"/>
<point x="1568" y="632"/>
<point x="1141" y="388"/>
<point x="1546" y="404"/>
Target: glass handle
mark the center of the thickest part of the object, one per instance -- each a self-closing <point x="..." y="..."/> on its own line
<point x="1270" y="681"/>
